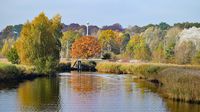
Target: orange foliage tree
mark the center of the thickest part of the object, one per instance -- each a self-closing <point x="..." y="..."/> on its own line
<point x="85" y="47"/>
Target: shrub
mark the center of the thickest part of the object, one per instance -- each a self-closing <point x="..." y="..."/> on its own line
<point x="88" y="66"/>
<point x="63" y="67"/>
<point x="107" y="56"/>
<point x="12" y="56"/>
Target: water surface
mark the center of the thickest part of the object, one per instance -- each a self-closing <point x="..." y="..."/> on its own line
<point x="87" y="92"/>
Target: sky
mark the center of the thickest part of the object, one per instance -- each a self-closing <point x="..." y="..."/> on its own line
<point x="101" y="12"/>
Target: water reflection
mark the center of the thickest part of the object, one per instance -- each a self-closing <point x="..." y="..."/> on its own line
<point x="83" y="83"/>
<point x="145" y="86"/>
<point x="105" y="93"/>
<point x="39" y="95"/>
<point x="174" y="106"/>
<point x="88" y="92"/>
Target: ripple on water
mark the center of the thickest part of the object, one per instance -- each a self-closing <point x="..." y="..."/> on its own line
<point x="88" y="92"/>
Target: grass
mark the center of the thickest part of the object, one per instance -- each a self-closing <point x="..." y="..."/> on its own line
<point x="181" y="84"/>
<point x="178" y="82"/>
<point x="142" y="70"/>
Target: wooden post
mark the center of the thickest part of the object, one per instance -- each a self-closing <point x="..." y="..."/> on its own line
<point x="79" y="65"/>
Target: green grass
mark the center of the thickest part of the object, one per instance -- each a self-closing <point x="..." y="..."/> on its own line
<point x="179" y="82"/>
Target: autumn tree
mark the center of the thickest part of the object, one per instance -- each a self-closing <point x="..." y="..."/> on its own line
<point x="111" y="41"/>
<point x="67" y="40"/>
<point x="85" y="47"/>
<point x="184" y="52"/>
<point x="171" y="38"/>
<point x="105" y="39"/>
<point x="117" y="43"/>
<point x="158" y="53"/>
<point x="8" y="43"/>
<point x="153" y="36"/>
<point x="137" y="48"/>
<point x="39" y="43"/>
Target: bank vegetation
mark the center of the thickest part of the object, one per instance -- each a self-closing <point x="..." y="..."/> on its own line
<point x="177" y="82"/>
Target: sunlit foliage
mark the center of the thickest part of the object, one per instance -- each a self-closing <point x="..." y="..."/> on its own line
<point x="40" y="41"/>
<point x="85" y="47"/>
<point x="137" y="48"/>
<point x="67" y="40"/>
<point x="8" y="43"/>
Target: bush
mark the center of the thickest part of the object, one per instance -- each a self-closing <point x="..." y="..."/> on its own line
<point x="88" y="66"/>
<point x="12" y="56"/>
<point x="107" y="56"/>
<point x="63" y="67"/>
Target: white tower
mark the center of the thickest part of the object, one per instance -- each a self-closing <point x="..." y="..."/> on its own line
<point x="88" y="28"/>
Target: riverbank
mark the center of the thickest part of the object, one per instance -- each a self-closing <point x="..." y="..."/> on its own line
<point x="11" y="72"/>
<point x="177" y="82"/>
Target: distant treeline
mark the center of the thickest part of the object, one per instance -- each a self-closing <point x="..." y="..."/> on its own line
<point x="14" y="30"/>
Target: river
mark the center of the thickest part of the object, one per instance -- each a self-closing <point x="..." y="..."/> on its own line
<point x="87" y="92"/>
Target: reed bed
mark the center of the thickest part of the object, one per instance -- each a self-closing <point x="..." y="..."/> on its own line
<point x="178" y="82"/>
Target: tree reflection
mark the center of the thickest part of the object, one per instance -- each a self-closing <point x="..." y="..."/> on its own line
<point x="174" y="106"/>
<point x="83" y="83"/>
<point x="144" y="85"/>
<point x="40" y="94"/>
<point x="128" y="84"/>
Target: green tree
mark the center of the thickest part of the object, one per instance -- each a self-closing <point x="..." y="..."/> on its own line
<point x="67" y="40"/>
<point x="164" y="26"/>
<point x="126" y="38"/>
<point x="39" y="42"/>
<point x="12" y="56"/>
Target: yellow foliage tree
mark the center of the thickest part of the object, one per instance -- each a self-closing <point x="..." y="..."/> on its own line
<point x="39" y="42"/>
<point x="111" y="41"/>
<point x="8" y="43"/>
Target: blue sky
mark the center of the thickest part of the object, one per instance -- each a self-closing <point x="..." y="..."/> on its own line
<point x="102" y="12"/>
